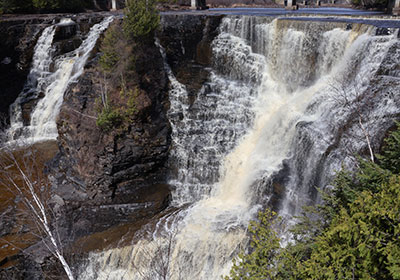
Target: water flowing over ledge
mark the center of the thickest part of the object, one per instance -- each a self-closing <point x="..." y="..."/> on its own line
<point x="50" y="76"/>
<point x="265" y="129"/>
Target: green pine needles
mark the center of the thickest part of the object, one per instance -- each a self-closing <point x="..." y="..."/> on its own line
<point x="390" y="158"/>
<point x="141" y="18"/>
<point x="122" y="45"/>
<point x="109" y="118"/>
<point x="258" y="264"/>
<point x="357" y="234"/>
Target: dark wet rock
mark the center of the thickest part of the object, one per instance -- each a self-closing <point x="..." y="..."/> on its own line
<point x="27" y="108"/>
<point x="16" y="50"/>
<point x="65" y="30"/>
<point x="67" y="45"/>
<point x="187" y="42"/>
<point x="7" y="219"/>
<point x="108" y="178"/>
<point x="25" y="268"/>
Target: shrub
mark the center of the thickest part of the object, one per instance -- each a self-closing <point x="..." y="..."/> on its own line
<point x="109" y="119"/>
<point x="132" y="109"/>
<point x="130" y="96"/>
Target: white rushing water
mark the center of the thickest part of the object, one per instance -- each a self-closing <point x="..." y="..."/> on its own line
<point x="40" y="70"/>
<point x="50" y="76"/>
<point x="272" y="105"/>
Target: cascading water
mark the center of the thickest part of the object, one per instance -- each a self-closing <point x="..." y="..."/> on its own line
<point x="272" y="105"/>
<point x="66" y="69"/>
<point x="208" y="129"/>
<point x="40" y="70"/>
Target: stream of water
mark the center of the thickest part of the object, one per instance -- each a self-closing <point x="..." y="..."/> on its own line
<point x="48" y="80"/>
<point x="272" y="105"/>
<point x="268" y="127"/>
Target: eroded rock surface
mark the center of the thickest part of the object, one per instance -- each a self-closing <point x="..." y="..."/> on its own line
<point x="187" y="42"/>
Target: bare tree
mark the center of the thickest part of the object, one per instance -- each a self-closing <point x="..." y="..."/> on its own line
<point x="156" y="257"/>
<point x="104" y="91"/>
<point x="22" y="175"/>
<point x="355" y="101"/>
<point x="161" y="263"/>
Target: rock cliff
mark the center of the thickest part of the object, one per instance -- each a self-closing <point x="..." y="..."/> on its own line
<point x="96" y="167"/>
<point x="104" y="178"/>
<point x="18" y="41"/>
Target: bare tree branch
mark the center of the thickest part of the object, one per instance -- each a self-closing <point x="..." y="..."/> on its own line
<point x="352" y="99"/>
<point x="21" y="174"/>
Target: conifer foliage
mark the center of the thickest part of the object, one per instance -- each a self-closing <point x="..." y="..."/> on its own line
<point x="123" y="45"/>
<point x="141" y="18"/>
<point x="357" y="235"/>
<point x="259" y="263"/>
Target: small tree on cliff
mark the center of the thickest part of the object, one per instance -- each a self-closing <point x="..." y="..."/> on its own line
<point x="141" y="18"/>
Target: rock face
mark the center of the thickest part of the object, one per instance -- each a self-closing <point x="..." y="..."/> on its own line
<point x="187" y="39"/>
<point x="108" y="169"/>
<point x="104" y="178"/>
<point x="104" y="160"/>
<point x="16" y="49"/>
<point x="95" y="167"/>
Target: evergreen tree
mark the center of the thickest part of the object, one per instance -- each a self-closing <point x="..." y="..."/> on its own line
<point x="141" y="18"/>
<point x="45" y="4"/>
<point x="362" y="242"/>
<point x="264" y="249"/>
<point x="390" y="158"/>
<point x="15" y="6"/>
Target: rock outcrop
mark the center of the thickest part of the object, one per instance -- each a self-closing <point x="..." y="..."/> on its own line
<point x="16" y="49"/>
<point x="123" y="166"/>
<point x="128" y="166"/>
<point x="104" y="178"/>
<point x="187" y="42"/>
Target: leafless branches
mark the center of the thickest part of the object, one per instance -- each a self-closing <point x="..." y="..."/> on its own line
<point x="352" y="99"/>
<point x="104" y="91"/>
<point x="21" y="174"/>
<point x="156" y="258"/>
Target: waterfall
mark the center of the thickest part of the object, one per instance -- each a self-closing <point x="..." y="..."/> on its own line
<point x="204" y="132"/>
<point x="271" y="105"/>
<point x="51" y="77"/>
<point x="40" y="70"/>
